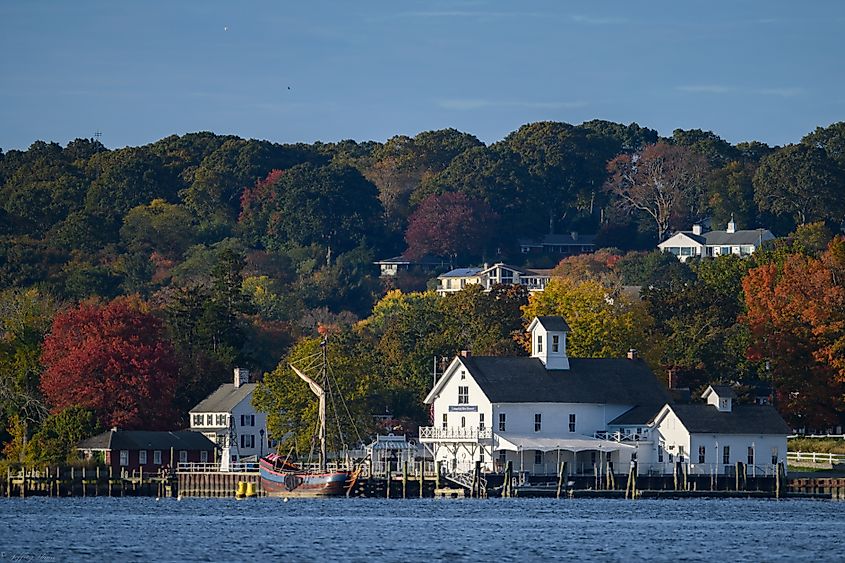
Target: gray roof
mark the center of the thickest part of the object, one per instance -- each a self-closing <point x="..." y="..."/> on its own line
<point x="560" y="240"/>
<point x="146" y="440"/>
<point x="225" y="398"/>
<point x="716" y="238"/>
<point x="589" y="380"/>
<point x="725" y="391"/>
<point x="554" y="323"/>
<point x="742" y="419"/>
<point x="462" y="273"/>
<point x="639" y="415"/>
<point x="426" y="260"/>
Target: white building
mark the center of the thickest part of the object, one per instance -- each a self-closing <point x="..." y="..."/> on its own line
<point x="540" y="410"/>
<point x="596" y="415"/>
<point x="228" y="418"/>
<point x="711" y="438"/>
<point x="488" y="276"/>
<point x="686" y="244"/>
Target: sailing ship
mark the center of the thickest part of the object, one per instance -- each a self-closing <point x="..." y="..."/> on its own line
<point x="280" y="477"/>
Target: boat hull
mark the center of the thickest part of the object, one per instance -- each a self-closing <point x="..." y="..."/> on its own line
<point x="292" y="483"/>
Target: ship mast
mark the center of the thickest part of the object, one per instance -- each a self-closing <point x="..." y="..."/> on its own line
<point x="321" y="395"/>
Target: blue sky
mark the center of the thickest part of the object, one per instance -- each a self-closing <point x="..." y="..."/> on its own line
<point x="308" y="71"/>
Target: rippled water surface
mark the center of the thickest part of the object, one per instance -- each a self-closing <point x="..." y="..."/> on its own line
<point x="140" y="529"/>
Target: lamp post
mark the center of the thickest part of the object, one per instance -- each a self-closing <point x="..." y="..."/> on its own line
<point x="261" y="443"/>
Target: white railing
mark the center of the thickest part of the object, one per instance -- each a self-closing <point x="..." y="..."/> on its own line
<point x="194" y="467"/>
<point x="836" y="436"/>
<point x="815" y="457"/>
<point x="434" y="433"/>
<point x="621" y="436"/>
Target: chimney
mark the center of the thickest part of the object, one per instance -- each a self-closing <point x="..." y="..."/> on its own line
<point x="633" y="354"/>
<point x="241" y="377"/>
<point x="466" y="353"/>
<point x="696" y="229"/>
<point x="731" y="225"/>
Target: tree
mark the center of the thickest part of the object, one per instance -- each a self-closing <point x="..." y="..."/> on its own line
<point x="450" y="225"/>
<point x="800" y="181"/>
<point x="731" y="195"/>
<point x="663" y="181"/>
<point x="716" y="150"/>
<point x="831" y="140"/>
<point x="160" y="227"/>
<point x="114" y="360"/>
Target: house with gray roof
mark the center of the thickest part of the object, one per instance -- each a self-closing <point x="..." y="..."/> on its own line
<point x="595" y="414"/>
<point x="533" y="279"/>
<point x="709" y="244"/>
<point x="559" y="244"/>
<point x="228" y="418"/>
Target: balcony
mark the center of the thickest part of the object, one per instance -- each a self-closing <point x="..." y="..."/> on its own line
<point x="454" y="434"/>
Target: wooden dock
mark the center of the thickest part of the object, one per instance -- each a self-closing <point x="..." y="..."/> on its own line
<point x="87" y="482"/>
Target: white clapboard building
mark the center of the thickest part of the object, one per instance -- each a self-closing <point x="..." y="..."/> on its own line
<point x="595" y="414"/>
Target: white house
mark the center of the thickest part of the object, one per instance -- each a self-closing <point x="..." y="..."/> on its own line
<point x="228" y="418"/>
<point x="549" y="408"/>
<point x="488" y="276"/>
<point x="710" y="438"/>
<point x="540" y="410"/>
<point x="686" y="244"/>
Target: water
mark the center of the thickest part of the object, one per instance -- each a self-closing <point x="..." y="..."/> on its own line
<point x="141" y="529"/>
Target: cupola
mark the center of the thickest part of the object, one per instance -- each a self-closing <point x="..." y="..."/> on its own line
<point x="548" y="341"/>
<point x="720" y="396"/>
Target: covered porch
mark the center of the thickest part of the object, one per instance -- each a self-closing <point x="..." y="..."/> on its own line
<point x="541" y="456"/>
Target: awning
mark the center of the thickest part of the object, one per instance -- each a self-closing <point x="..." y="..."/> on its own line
<point x="516" y="443"/>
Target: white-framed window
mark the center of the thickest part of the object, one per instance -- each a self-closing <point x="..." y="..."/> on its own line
<point x="198" y="419"/>
<point x="183" y="456"/>
<point x="445" y="421"/>
<point x="659" y="454"/>
<point x="463" y="394"/>
<point x="124" y="457"/>
<point x="702" y="454"/>
<point x="539" y="343"/>
<point x="204" y="456"/>
<point x="502" y="422"/>
<point x="538" y="458"/>
<point x="142" y="457"/>
<point x="209" y="419"/>
<point x="463" y="422"/>
<point x="750" y="455"/>
<point x="481" y="421"/>
<point x="726" y="455"/>
<point x="555" y="343"/>
<point x="157" y="457"/>
<point x="538" y="422"/>
<point x="221" y="420"/>
<point x="572" y="422"/>
<point x="686" y="251"/>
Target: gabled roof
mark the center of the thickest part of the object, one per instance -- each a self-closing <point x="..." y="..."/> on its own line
<point x="588" y="380"/>
<point x="225" y="398"/>
<point x="461" y="273"/>
<point x="639" y="415"/>
<point x="550" y="323"/>
<point x="742" y="419"/>
<point x="724" y="391"/>
<point x="755" y="236"/>
<point x="688" y="234"/>
<point x="146" y="440"/>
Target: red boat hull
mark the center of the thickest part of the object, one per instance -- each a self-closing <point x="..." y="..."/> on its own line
<point x="298" y="483"/>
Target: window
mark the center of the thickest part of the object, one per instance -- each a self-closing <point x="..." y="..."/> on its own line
<point x="198" y="419"/>
<point x="445" y="421"/>
<point x="247" y="420"/>
<point x="124" y="457"/>
<point x="659" y="454"/>
<point x="209" y="419"/>
<point x="463" y="395"/>
<point x="481" y="421"/>
<point x="247" y="440"/>
<point x="725" y="250"/>
<point x="750" y="455"/>
<point x="555" y="343"/>
<point x="701" y="454"/>
<point x="203" y="456"/>
<point x="142" y="457"/>
<point x="463" y="422"/>
<point x="157" y="457"/>
<point x="774" y="456"/>
<point x="539" y="343"/>
<point x="501" y="422"/>
<point x="538" y="422"/>
<point x="681" y="454"/>
<point x="221" y="420"/>
<point x="686" y="251"/>
<point x="463" y="374"/>
<point x="183" y="456"/>
<point x="572" y="423"/>
<point x="726" y="455"/>
<point x="538" y="458"/>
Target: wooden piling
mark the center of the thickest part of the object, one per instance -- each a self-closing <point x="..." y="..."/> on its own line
<point x="560" y="478"/>
<point x="737" y="476"/>
<point x="476" y="480"/>
<point x="422" y="478"/>
<point x="405" y="479"/>
<point x="507" y="489"/>
<point x="437" y="468"/>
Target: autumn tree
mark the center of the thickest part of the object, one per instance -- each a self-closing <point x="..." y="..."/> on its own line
<point x="450" y="225"/>
<point x="663" y="181"/>
<point x="114" y="360"/>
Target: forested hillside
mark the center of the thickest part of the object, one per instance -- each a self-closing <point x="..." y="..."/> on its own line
<point x="161" y="267"/>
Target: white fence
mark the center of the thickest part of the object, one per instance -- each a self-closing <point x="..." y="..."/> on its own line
<point x="815" y="457"/>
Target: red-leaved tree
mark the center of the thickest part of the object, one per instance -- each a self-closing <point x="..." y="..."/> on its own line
<point x="113" y="359"/>
<point x="452" y="225"/>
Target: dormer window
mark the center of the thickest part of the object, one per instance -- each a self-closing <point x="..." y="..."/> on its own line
<point x="539" y="343"/>
<point x="555" y="343"/>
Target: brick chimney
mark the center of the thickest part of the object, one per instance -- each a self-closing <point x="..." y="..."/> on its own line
<point x="241" y="377"/>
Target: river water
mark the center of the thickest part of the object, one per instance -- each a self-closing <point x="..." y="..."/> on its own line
<point x="143" y="529"/>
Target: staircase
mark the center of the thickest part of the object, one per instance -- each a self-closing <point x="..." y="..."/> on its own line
<point x="464" y="480"/>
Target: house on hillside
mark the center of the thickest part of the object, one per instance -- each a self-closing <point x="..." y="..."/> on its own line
<point x="391" y="267"/>
<point x="559" y="245"/>
<point x="488" y="276"/>
<point x="228" y="418"/>
<point x="134" y="450"/>
<point x="711" y="438"/>
<point x="595" y="414"/>
<point x="686" y="244"/>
